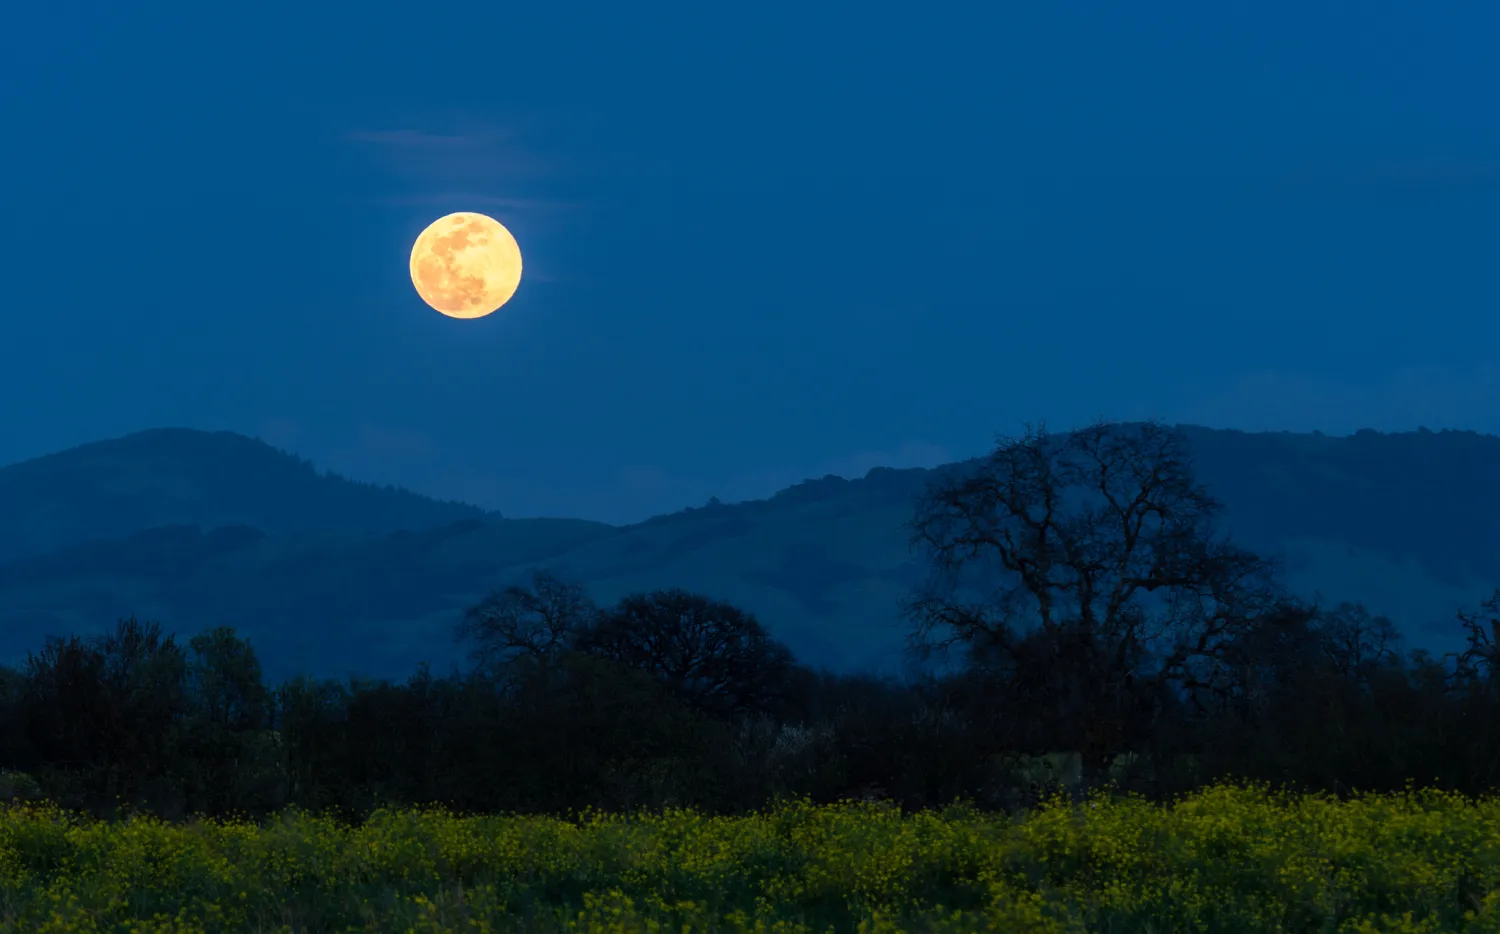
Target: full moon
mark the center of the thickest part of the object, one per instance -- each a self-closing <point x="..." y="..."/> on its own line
<point x="466" y="265"/>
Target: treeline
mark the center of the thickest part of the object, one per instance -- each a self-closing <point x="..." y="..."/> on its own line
<point x="1077" y="578"/>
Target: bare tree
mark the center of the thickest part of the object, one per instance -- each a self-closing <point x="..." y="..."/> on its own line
<point x="711" y="654"/>
<point x="1356" y="642"/>
<point x="1478" y="663"/>
<point x="534" y="622"/>
<point x="1087" y="562"/>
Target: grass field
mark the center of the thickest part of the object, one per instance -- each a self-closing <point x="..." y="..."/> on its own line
<point x="1228" y="859"/>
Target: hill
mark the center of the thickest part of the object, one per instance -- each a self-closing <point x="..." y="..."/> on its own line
<point x="371" y="579"/>
<point x="116" y="488"/>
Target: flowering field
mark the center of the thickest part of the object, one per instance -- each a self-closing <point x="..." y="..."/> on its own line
<point x="1228" y="859"/>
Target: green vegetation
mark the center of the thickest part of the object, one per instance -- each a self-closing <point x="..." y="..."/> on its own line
<point x="1226" y="859"/>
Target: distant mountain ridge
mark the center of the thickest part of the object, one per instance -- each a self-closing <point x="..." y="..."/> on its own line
<point x="171" y="476"/>
<point x="328" y="576"/>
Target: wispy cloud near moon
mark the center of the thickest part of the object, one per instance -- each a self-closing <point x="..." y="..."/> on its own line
<point x="485" y="155"/>
<point x="445" y="198"/>
<point x="405" y="138"/>
<point x="483" y="166"/>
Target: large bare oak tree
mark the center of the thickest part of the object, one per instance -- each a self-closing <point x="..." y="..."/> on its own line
<point x="529" y="624"/>
<point x="1084" y="569"/>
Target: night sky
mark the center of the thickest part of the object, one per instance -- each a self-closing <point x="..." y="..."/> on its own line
<point x="763" y="241"/>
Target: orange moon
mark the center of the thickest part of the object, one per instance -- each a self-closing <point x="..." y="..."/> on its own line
<point x="466" y="265"/>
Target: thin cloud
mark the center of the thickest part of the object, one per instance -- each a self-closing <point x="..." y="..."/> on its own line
<point x="484" y="167"/>
<point x="407" y="138"/>
<point x="479" y="158"/>
<point x="522" y="205"/>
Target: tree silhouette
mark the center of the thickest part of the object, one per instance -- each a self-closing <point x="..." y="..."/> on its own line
<point x="714" y="656"/>
<point x="229" y="757"/>
<point x="1478" y="662"/>
<point x="1357" y="643"/>
<point x="535" y="622"/>
<point x="1085" y="566"/>
<point x="106" y="710"/>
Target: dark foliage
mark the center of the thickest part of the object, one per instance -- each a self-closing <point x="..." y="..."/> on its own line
<point x="713" y="656"/>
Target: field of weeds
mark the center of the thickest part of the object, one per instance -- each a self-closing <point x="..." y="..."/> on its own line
<point x="1228" y="859"/>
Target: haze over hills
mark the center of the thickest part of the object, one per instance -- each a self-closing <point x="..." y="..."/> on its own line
<point x="328" y="576"/>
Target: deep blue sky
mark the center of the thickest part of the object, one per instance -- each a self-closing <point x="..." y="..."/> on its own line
<point x="763" y="241"/>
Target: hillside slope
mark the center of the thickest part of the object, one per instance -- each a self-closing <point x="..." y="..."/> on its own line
<point x="171" y="476"/>
<point x="1408" y="523"/>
